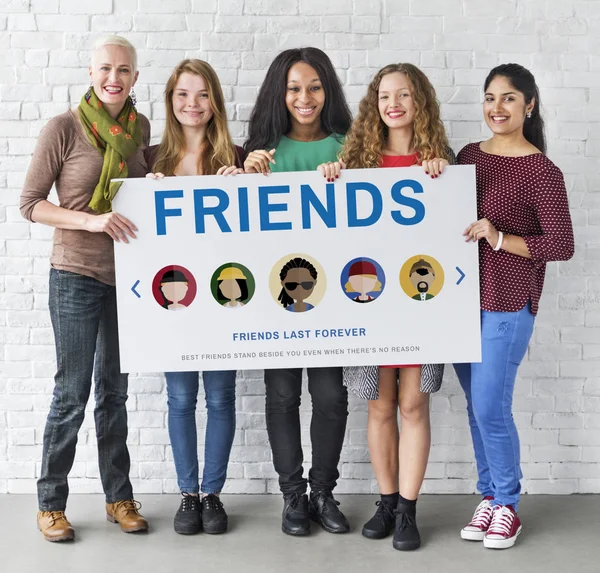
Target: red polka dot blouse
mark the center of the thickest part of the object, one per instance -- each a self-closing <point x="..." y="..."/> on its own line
<point x="526" y="197"/>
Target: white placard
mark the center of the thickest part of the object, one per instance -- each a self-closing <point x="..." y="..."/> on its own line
<point x="200" y="287"/>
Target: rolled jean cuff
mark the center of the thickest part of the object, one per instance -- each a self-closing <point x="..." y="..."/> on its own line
<point x="192" y="489"/>
<point x="208" y="491"/>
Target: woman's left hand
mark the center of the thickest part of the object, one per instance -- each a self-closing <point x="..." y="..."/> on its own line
<point x="231" y="170"/>
<point x="434" y="167"/>
<point x="482" y="229"/>
<point x="331" y="170"/>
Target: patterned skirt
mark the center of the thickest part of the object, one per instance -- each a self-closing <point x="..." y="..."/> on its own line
<point x="364" y="380"/>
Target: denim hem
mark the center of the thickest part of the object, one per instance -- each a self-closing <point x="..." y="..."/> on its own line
<point x="209" y="491"/>
<point x="300" y="490"/>
<point x="62" y="508"/>
<point x="120" y="498"/>
<point x="193" y="490"/>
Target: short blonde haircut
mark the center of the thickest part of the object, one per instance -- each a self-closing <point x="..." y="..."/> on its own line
<point x="116" y="41"/>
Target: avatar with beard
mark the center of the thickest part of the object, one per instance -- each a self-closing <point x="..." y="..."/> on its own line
<point x="422" y="276"/>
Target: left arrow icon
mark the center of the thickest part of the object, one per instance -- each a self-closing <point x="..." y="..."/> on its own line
<point x="136" y="293"/>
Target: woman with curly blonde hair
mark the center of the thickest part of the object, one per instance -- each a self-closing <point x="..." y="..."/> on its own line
<point x="398" y="125"/>
<point x="418" y="130"/>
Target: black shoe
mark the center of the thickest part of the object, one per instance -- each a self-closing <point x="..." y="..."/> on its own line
<point x="406" y="534"/>
<point x="323" y="509"/>
<point x="294" y="519"/>
<point x="381" y="524"/>
<point x="187" y="519"/>
<point x="214" y="518"/>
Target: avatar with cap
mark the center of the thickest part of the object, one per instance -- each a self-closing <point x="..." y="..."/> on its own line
<point x="422" y="276"/>
<point x="173" y="287"/>
<point x="232" y="287"/>
<point x="362" y="279"/>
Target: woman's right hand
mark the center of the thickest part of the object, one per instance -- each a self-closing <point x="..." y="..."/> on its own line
<point x="115" y="225"/>
<point x="155" y="175"/>
<point x="258" y="161"/>
<point x="331" y="169"/>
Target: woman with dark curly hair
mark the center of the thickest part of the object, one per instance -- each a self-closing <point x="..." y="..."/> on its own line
<point x="398" y="125"/>
<point x="298" y="122"/>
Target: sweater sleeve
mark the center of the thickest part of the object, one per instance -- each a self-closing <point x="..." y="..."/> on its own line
<point x="240" y="156"/>
<point x="551" y="206"/>
<point x="146" y="136"/>
<point x="451" y="156"/>
<point x="46" y="165"/>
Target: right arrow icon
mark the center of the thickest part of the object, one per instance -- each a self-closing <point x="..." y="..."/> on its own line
<point x="462" y="276"/>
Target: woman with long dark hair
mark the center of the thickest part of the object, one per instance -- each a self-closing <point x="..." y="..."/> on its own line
<point x="298" y="122"/>
<point x="196" y="141"/>
<point x="523" y="223"/>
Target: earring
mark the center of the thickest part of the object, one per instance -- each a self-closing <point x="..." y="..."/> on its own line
<point x="88" y="94"/>
<point x="133" y="97"/>
<point x="528" y="115"/>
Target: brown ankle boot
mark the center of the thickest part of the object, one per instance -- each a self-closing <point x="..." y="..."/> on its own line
<point x="55" y="526"/>
<point x="126" y="514"/>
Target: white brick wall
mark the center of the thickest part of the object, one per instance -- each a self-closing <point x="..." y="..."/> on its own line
<point x="44" y="52"/>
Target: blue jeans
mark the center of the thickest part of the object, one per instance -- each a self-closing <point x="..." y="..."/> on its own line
<point x="182" y="396"/>
<point x="489" y="387"/>
<point x="84" y="318"/>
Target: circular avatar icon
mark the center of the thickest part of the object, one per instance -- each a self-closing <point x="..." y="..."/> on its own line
<point x="297" y="282"/>
<point x="174" y="287"/>
<point x="362" y="279"/>
<point x="232" y="285"/>
<point x="421" y="277"/>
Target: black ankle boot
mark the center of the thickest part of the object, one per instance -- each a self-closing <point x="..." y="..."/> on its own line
<point x="382" y="523"/>
<point x="406" y="534"/>
<point x="324" y="510"/>
<point x="294" y="519"/>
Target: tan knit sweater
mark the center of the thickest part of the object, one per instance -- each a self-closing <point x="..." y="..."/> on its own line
<point x="64" y="156"/>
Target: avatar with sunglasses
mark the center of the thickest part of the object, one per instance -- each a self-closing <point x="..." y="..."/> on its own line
<point x="422" y="277"/>
<point x="298" y="279"/>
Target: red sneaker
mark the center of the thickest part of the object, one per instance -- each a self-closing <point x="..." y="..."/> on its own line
<point x="504" y="529"/>
<point x="480" y="522"/>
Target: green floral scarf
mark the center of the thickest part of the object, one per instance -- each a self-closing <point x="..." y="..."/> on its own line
<point x="116" y="140"/>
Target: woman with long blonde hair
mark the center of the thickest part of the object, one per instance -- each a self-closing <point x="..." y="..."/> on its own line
<point x="196" y="141"/>
<point x="398" y="125"/>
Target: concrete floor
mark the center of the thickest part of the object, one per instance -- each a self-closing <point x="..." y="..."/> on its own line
<point x="560" y="534"/>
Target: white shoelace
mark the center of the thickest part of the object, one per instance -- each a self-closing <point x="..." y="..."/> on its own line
<point x="483" y="515"/>
<point x="502" y="521"/>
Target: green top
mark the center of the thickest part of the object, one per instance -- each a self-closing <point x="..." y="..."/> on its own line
<point x="292" y="155"/>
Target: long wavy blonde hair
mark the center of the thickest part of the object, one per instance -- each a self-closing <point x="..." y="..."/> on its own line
<point x="367" y="137"/>
<point x="218" y="148"/>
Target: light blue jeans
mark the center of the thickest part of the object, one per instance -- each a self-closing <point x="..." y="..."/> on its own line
<point x="489" y="387"/>
<point x="182" y="396"/>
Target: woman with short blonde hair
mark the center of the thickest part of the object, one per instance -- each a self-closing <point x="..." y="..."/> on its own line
<point x="82" y="151"/>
